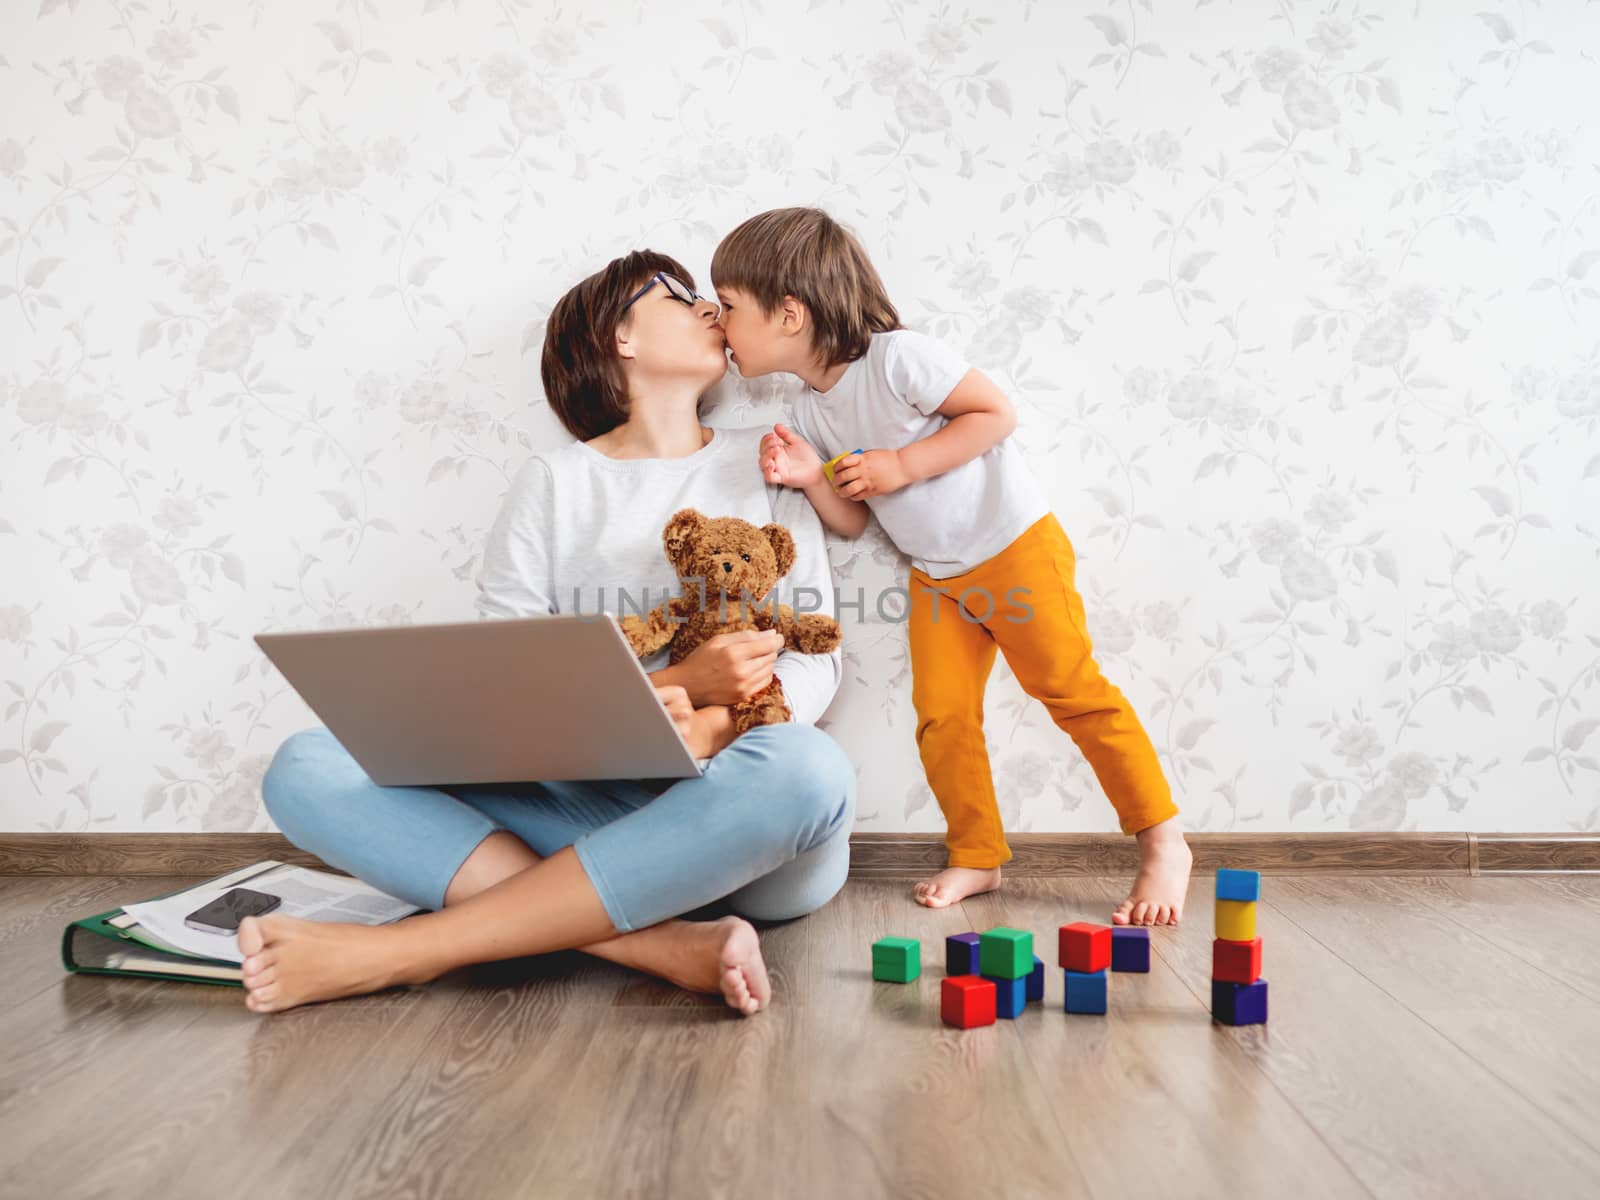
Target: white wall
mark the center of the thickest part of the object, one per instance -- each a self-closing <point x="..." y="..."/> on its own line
<point x="1297" y="301"/>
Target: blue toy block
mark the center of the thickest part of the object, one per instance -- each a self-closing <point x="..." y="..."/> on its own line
<point x="961" y="954"/>
<point x="1010" y="996"/>
<point x="1036" y="979"/>
<point x="1239" y="1003"/>
<point x="1238" y="885"/>
<point x="1086" y="993"/>
<point x="1130" y="949"/>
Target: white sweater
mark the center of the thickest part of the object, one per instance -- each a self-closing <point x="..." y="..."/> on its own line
<point x="577" y="526"/>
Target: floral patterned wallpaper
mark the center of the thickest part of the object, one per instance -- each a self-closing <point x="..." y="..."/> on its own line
<point x="1297" y="301"/>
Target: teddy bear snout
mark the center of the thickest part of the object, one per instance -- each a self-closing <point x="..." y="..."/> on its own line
<point x="727" y="568"/>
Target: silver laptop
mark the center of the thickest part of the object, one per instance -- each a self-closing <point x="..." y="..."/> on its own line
<point x="534" y="698"/>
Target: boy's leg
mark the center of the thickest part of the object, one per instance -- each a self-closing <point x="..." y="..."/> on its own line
<point x="1044" y="637"/>
<point x="951" y="657"/>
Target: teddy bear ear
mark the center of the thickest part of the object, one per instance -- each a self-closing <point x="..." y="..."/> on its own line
<point x="782" y="547"/>
<point x="680" y="531"/>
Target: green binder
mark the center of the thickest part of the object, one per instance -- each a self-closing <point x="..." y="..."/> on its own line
<point x="94" y="946"/>
<point x="113" y="943"/>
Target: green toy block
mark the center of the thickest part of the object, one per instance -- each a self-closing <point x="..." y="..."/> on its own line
<point x="896" y="959"/>
<point x="1005" y="953"/>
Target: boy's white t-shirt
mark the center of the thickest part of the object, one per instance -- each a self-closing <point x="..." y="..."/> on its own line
<point x="887" y="399"/>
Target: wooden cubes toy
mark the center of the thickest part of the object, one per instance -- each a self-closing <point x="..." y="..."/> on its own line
<point x="1010" y="996"/>
<point x="1005" y="953"/>
<point x="1036" y="979"/>
<point x="1238" y="885"/>
<point x="1086" y="991"/>
<point x="896" y="959"/>
<point x="1236" y="962"/>
<point x="1238" y="993"/>
<point x="1084" y="948"/>
<point x="827" y="467"/>
<point x="961" y="954"/>
<point x="1239" y="1003"/>
<point x="1236" y="920"/>
<point x="966" y="1001"/>
<point x="1130" y="949"/>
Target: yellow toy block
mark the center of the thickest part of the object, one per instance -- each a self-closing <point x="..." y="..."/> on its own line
<point x="1236" y="920"/>
<point x="827" y="467"/>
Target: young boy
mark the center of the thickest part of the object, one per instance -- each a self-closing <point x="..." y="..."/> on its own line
<point x="992" y="568"/>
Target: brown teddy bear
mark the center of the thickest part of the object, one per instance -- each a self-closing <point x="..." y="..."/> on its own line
<point x="721" y="560"/>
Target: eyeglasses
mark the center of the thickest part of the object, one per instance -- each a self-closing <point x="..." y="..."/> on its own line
<point x="676" y="288"/>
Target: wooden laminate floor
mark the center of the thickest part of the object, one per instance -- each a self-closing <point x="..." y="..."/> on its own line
<point x="1429" y="1037"/>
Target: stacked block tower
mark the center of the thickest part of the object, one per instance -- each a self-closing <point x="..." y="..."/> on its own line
<point x="1005" y="959"/>
<point x="1238" y="993"/>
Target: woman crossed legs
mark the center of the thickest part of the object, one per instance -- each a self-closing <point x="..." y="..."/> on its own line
<point x="531" y="868"/>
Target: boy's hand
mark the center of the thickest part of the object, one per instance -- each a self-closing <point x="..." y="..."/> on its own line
<point x="875" y="473"/>
<point x="788" y="459"/>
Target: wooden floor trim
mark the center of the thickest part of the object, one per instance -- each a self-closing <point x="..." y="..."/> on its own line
<point x="891" y="855"/>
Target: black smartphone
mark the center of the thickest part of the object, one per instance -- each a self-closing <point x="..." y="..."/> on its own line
<point x="224" y="913"/>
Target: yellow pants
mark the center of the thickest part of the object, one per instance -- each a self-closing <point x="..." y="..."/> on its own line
<point x="956" y="624"/>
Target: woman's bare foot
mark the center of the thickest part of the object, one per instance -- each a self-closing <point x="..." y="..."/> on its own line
<point x="699" y="956"/>
<point x="1163" y="880"/>
<point x="954" y="884"/>
<point x="288" y="962"/>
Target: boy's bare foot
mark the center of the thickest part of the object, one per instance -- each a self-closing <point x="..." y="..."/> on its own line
<point x="1163" y="880"/>
<point x="289" y="962"/>
<point x="954" y="884"/>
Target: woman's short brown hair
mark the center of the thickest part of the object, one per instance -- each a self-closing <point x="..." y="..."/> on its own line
<point x="805" y="253"/>
<point x="580" y="367"/>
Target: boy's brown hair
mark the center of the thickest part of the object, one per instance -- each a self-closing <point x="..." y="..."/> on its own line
<point x="580" y="367"/>
<point x="805" y="253"/>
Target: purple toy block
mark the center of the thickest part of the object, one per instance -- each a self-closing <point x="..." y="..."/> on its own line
<point x="1130" y="949"/>
<point x="1036" y="979"/>
<point x="961" y="954"/>
<point x="1239" y="1003"/>
<point x="1010" y="996"/>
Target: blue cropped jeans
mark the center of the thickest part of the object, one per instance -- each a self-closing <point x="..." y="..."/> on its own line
<point x="766" y="828"/>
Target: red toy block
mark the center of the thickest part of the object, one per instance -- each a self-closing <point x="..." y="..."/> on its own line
<point x="966" y="1001"/>
<point x="1236" y="962"/>
<point x="1084" y="948"/>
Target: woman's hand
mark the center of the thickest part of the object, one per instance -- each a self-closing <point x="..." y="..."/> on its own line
<point x="727" y="668"/>
<point x="875" y="473"/>
<point x="704" y="730"/>
<point x="787" y="458"/>
<point x="711" y="729"/>
<point x="676" y="701"/>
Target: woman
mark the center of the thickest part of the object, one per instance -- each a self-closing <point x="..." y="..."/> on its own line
<point x="605" y="866"/>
